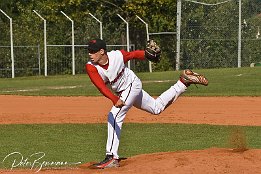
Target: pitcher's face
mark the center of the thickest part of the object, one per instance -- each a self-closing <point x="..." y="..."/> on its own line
<point x="95" y="57"/>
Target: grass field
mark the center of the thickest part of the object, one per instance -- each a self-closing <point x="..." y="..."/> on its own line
<point x="222" y="82"/>
<point x="86" y="142"/>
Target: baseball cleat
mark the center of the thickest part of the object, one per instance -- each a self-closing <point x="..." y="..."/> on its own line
<point x="189" y="77"/>
<point x="108" y="162"/>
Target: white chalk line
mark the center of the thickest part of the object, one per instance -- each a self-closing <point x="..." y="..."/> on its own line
<point x="39" y="89"/>
<point x="71" y="87"/>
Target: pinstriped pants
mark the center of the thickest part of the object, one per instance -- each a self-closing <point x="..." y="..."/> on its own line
<point x="135" y="96"/>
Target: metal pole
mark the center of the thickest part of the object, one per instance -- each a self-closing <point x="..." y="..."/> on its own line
<point x="101" y="30"/>
<point x="148" y="37"/>
<point x="258" y="33"/>
<point x="99" y="22"/>
<point x="178" y="34"/>
<point x="239" y="35"/>
<point x="45" y="50"/>
<point x="11" y="42"/>
<point x="39" y="59"/>
<point x="45" y="44"/>
<point x="73" y="51"/>
<point x="128" y="37"/>
<point x="146" y="25"/>
<point x="12" y="47"/>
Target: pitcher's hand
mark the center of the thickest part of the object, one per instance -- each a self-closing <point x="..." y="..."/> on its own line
<point x="119" y="104"/>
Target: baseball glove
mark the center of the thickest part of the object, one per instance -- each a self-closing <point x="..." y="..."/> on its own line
<point x="152" y="51"/>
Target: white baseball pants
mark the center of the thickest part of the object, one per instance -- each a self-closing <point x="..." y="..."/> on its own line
<point x="134" y="95"/>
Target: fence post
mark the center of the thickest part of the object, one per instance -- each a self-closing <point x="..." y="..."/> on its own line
<point x="99" y="23"/>
<point x="239" y="34"/>
<point x="178" y="34"/>
<point x="148" y="37"/>
<point x="39" y="59"/>
<point x="11" y="42"/>
<point x="73" y="55"/>
<point x="128" y="38"/>
<point x="45" y="44"/>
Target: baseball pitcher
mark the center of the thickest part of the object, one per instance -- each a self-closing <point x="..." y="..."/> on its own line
<point x="118" y="83"/>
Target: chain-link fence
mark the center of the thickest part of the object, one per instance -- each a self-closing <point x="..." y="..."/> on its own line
<point x="209" y="39"/>
<point x="210" y="35"/>
<point x="60" y="59"/>
<point x="27" y="61"/>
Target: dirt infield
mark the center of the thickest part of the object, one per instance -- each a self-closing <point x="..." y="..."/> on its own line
<point x="190" y="110"/>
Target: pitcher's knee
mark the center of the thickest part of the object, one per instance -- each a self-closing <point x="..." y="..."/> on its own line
<point x="157" y="111"/>
<point x="158" y="108"/>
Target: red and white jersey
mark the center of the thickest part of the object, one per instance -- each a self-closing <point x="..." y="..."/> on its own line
<point x="115" y="73"/>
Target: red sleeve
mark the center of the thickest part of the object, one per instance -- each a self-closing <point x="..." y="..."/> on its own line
<point x="99" y="83"/>
<point x="138" y="54"/>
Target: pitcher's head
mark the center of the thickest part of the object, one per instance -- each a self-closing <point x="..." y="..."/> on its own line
<point x="97" y="51"/>
<point x="96" y="45"/>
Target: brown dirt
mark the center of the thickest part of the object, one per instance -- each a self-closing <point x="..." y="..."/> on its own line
<point x="190" y="110"/>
